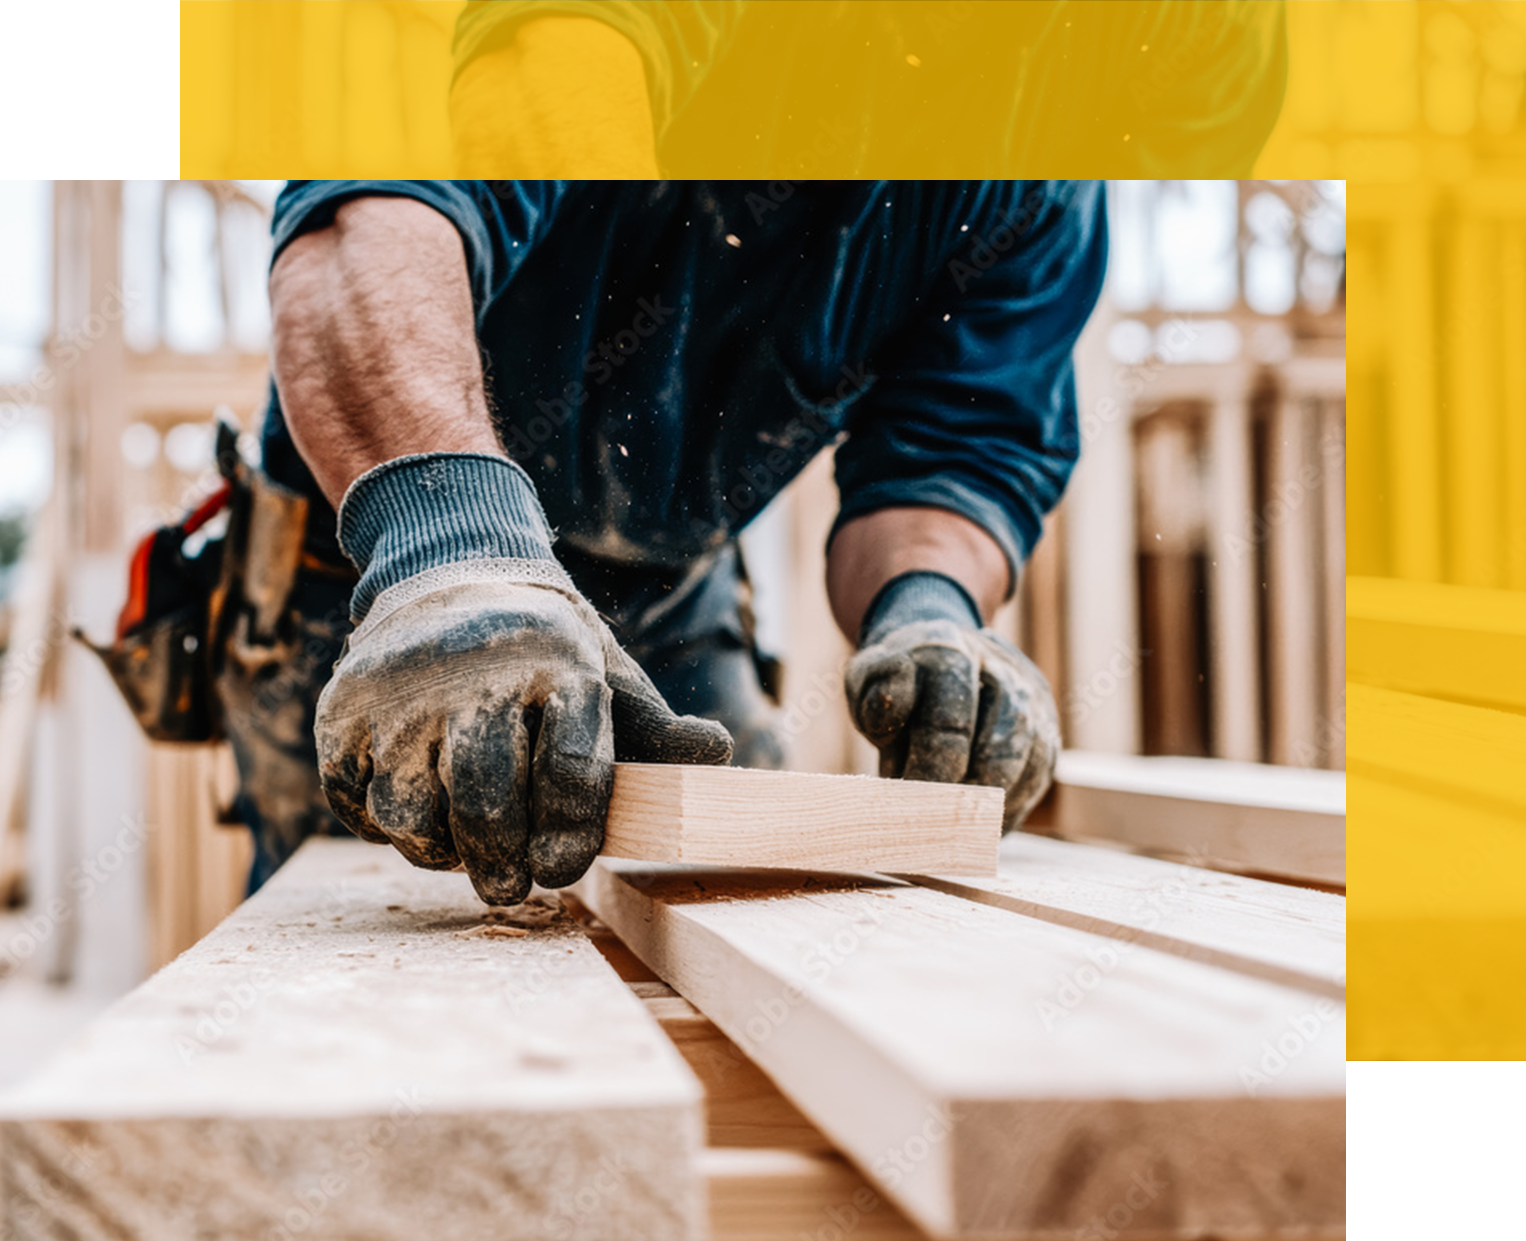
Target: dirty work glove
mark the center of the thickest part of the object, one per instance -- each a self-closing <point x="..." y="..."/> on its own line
<point x="943" y="699"/>
<point x="478" y="708"/>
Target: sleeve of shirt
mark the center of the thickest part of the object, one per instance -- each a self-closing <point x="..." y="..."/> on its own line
<point x="974" y="407"/>
<point x="1211" y="96"/>
<point x="678" y="39"/>
<point x="499" y="221"/>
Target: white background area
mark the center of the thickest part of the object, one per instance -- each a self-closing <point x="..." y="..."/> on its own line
<point x="1434" y="1150"/>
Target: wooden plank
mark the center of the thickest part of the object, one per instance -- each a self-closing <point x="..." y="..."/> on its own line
<point x="1234" y="621"/>
<point x="1331" y="736"/>
<point x="224" y="851"/>
<point x="784" y="1195"/>
<point x="363" y="1051"/>
<point x="819" y="735"/>
<point x="23" y="661"/>
<point x="999" y="1076"/>
<point x="1292" y="936"/>
<point x="1293" y="639"/>
<point x="1246" y="817"/>
<point x="1039" y="608"/>
<point x="622" y="960"/>
<point x="95" y="331"/>
<point x="1176" y="721"/>
<point x="742" y="1107"/>
<point x="167" y="388"/>
<point x="733" y="816"/>
<point x="173" y="809"/>
<point x="1102" y="643"/>
<point x="1457" y="642"/>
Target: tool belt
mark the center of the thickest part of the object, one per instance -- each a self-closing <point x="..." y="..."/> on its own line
<point x="191" y="594"/>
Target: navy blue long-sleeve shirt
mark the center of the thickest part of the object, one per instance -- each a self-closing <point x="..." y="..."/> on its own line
<point x="662" y="358"/>
<point x="1147" y="88"/>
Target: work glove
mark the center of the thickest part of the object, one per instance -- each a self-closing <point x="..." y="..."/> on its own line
<point x="942" y="698"/>
<point x="478" y="708"/>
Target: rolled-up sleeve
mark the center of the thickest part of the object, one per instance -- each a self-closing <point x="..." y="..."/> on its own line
<point x="678" y="39"/>
<point x="974" y="410"/>
<point x="499" y="221"/>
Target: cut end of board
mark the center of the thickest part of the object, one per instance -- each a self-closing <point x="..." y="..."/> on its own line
<point x="738" y="816"/>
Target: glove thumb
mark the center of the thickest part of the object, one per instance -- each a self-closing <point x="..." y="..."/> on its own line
<point x="647" y="730"/>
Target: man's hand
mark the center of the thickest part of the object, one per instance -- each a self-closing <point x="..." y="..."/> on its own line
<point x="477" y="710"/>
<point x="475" y="719"/>
<point x="943" y="699"/>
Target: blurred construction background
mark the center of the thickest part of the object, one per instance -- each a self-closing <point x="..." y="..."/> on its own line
<point x="1187" y="598"/>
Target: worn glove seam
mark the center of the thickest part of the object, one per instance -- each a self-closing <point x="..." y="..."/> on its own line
<point x="545" y="574"/>
<point x="892" y="598"/>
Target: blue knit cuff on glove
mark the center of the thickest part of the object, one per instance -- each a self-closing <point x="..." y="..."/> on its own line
<point x="917" y="596"/>
<point x="433" y="509"/>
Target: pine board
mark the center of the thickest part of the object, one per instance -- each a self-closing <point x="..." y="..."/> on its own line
<point x="1248" y="817"/>
<point x="363" y="1052"/>
<point x="734" y="816"/>
<point x="1294" y="936"/>
<point x="1000" y="1076"/>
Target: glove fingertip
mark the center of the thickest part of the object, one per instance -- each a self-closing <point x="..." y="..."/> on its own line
<point x="675" y="739"/>
<point x="884" y="703"/>
<point x="507" y="886"/>
<point x="345" y="780"/>
<point x="713" y="744"/>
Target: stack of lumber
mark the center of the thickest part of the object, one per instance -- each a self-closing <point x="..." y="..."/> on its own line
<point x="1082" y="1043"/>
<point x="1247" y="817"/>
<point x="1437" y="710"/>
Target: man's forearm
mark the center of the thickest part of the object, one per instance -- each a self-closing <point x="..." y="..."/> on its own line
<point x="871" y="550"/>
<point x="566" y="98"/>
<point x="374" y="346"/>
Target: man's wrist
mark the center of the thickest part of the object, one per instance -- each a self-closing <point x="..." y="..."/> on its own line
<point x="920" y="595"/>
<point x="420" y="512"/>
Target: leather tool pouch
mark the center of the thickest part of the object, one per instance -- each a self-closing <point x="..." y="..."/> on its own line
<point x="187" y="587"/>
